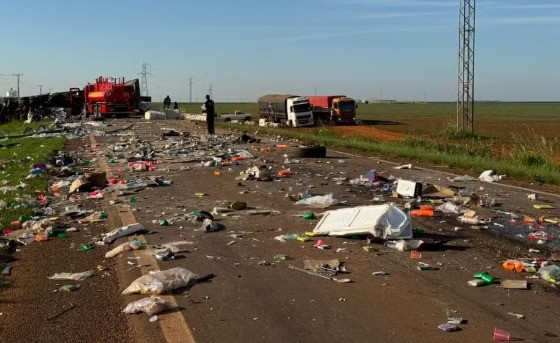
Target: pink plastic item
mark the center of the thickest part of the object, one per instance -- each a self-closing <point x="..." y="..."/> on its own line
<point x="501" y="335"/>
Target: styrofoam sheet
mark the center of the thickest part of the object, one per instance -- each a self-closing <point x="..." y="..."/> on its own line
<point x="384" y="221"/>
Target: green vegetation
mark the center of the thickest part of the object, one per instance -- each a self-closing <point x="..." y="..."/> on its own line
<point x="474" y="159"/>
<point x="17" y="156"/>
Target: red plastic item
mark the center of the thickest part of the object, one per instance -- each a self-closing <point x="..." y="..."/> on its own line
<point x="422" y="213"/>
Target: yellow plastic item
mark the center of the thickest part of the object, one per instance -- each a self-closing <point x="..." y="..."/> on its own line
<point x="543" y="207"/>
<point x="303" y="238"/>
<point x="310" y="233"/>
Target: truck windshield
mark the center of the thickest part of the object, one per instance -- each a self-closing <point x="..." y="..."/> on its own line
<point x="347" y="106"/>
<point x="304" y="107"/>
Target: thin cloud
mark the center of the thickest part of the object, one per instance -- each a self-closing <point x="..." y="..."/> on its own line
<point x="359" y="33"/>
<point x="400" y="15"/>
<point x="400" y="3"/>
<point x="536" y="20"/>
<point x="529" y="6"/>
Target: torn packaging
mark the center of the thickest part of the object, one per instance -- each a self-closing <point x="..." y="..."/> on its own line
<point x="409" y="188"/>
<point x="383" y="221"/>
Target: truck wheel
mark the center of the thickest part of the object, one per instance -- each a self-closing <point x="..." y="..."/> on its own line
<point x="312" y="151"/>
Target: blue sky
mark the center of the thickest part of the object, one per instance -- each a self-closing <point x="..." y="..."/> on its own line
<point x="404" y="49"/>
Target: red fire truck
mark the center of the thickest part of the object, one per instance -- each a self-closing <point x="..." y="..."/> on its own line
<point x="110" y="96"/>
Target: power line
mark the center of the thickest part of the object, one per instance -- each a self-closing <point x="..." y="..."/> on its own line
<point x="144" y="82"/>
<point x="465" y="86"/>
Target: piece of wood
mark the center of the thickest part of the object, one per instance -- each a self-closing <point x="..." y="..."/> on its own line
<point x="514" y="284"/>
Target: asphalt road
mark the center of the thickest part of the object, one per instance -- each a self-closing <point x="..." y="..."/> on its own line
<point x="257" y="298"/>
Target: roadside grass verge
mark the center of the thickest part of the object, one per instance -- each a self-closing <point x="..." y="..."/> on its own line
<point x="472" y="157"/>
<point x="17" y="156"/>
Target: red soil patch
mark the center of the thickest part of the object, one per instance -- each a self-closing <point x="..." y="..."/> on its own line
<point x="370" y="132"/>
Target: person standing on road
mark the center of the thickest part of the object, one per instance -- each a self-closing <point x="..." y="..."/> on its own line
<point x="209" y="106"/>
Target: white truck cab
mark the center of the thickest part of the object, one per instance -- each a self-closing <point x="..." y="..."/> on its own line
<point x="299" y="112"/>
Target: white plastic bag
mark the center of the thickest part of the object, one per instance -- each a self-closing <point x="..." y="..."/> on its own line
<point x="449" y="207"/>
<point x="150" y="306"/>
<point x="160" y="282"/>
<point x="403" y="245"/>
<point x="72" y="276"/>
<point x="319" y="201"/>
<point x="112" y="236"/>
<point x="490" y="176"/>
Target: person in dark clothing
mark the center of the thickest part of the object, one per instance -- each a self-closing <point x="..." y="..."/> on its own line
<point x="209" y="106"/>
<point x="175" y="106"/>
<point x="166" y="102"/>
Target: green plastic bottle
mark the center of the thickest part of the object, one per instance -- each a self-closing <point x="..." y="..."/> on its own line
<point x="85" y="247"/>
<point x="485" y="277"/>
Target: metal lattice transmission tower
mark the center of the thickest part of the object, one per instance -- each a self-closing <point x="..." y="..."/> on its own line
<point x="144" y="80"/>
<point x="465" y="89"/>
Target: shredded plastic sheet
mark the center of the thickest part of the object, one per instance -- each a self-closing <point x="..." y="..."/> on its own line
<point x="384" y="221"/>
<point x="123" y="231"/>
<point x="72" y="276"/>
<point x="150" y="306"/>
<point x="160" y="282"/>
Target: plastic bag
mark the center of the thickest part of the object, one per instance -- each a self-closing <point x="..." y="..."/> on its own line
<point x="72" y="276"/>
<point x="134" y="244"/>
<point x="160" y="282"/>
<point x="449" y="208"/>
<point x="319" y="201"/>
<point x="150" y="306"/>
<point x="403" y="245"/>
<point x="112" y="236"/>
<point x="550" y="273"/>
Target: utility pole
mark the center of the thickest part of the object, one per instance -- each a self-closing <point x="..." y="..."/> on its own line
<point x="16" y="75"/>
<point x="190" y="89"/>
<point x="315" y="90"/>
<point x="465" y="85"/>
<point x="210" y="91"/>
<point x="144" y="81"/>
<point x="40" y="89"/>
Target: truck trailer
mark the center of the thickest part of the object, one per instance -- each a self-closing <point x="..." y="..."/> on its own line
<point x="286" y="109"/>
<point x="110" y="96"/>
<point x="335" y="109"/>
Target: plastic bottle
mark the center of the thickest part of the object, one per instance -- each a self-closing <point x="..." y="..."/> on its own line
<point x="85" y="247"/>
<point x="470" y="220"/>
<point x="24" y="218"/>
<point x="485" y="277"/>
<point x="309" y="216"/>
<point x="102" y="215"/>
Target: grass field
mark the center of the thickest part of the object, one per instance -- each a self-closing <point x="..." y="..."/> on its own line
<point x="16" y="162"/>
<point x="503" y="121"/>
